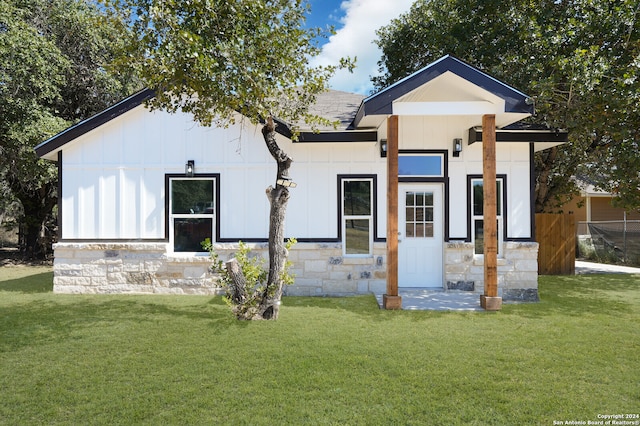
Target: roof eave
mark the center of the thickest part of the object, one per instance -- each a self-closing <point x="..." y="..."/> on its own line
<point x="56" y="142"/>
<point x="541" y="138"/>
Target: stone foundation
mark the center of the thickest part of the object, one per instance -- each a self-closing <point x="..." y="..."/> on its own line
<point x="146" y="268"/>
<point x="138" y="268"/>
<point x="517" y="270"/>
<point x="320" y="269"/>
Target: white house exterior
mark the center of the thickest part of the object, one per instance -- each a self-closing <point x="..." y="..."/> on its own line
<point x="130" y="219"/>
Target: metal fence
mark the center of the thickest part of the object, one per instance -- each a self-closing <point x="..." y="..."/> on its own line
<point x="611" y="241"/>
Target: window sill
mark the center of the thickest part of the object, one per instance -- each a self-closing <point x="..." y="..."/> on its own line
<point x="187" y="257"/>
<point x="357" y="260"/>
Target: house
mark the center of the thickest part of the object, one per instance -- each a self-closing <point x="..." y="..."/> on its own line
<point x="603" y="231"/>
<point x="139" y="191"/>
<point x="595" y="205"/>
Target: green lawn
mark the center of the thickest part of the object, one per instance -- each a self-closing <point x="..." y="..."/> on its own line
<point x="184" y="359"/>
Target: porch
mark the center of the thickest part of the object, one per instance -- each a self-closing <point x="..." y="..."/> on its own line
<point x="431" y="299"/>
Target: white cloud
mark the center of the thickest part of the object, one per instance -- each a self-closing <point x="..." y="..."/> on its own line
<point x="355" y="39"/>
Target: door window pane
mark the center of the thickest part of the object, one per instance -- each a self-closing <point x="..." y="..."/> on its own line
<point x="410" y="230"/>
<point x="428" y="230"/>
<point x="419" y="215"/>
<point x="410" y="198"/>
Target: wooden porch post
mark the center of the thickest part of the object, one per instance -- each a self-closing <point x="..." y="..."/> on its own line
<point x="391" y="300"/>
<point x="490" y="300"/>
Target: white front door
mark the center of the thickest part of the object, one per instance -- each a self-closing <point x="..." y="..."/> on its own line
<point x="420" y="235"/>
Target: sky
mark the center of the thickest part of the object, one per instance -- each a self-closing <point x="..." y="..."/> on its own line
<point x="355" y="22"/>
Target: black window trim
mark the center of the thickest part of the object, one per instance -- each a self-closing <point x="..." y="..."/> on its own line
<point x="167" y="188"/>
<point x="374" y="189"/>
<point x="505" y="213"/>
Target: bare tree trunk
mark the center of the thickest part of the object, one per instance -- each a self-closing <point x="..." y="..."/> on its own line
<point x="278" y="197"/>
<point x="238" y="280"/>
<point x="269" y="301"/>
<point x="37" y="206"/>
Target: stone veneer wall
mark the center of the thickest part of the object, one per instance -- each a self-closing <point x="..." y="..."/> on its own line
<point x="129" y="268"/>
<point x="517" y="270"/>
<point x="146" y="268"/>
<point x="320" y="269"/>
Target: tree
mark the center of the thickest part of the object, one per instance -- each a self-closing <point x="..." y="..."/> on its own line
<point x="577" y="58"/>
<point x="217" y="58"/>
<point x="53" y="60"/>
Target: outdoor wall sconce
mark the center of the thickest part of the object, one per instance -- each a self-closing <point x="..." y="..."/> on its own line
<point x="383" y="148"/>
<point x="189" y="167"/>
<point x="457" y="147"/>
<point x="286" y="182"/>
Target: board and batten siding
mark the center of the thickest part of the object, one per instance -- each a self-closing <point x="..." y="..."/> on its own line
<point x="114" y="178"/>
<point x="512" y="160"/>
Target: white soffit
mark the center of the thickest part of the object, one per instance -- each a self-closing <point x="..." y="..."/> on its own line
<point x="446" y="108"/>
<point x="541" y="146"/>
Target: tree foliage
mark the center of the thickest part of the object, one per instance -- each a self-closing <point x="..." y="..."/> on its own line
<point x="579" y="59"/>
<point x="215" y="58"/>
<point x="53" y="72"/>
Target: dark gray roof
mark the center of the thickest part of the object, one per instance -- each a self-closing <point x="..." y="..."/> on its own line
<point x="336" y="105"/>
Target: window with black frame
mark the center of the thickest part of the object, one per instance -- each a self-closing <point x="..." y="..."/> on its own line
<point x="191" y="213"/>
<point x="357" y="216"/>
<point x="477" y="211"/>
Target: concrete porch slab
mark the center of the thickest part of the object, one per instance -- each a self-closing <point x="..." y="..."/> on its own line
<point x="425" y="299"/>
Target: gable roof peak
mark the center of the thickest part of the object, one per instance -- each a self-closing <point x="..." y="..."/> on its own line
<point x="381" y="103"/>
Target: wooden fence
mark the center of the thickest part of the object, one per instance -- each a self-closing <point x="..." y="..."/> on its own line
<point x="556" y="235"/>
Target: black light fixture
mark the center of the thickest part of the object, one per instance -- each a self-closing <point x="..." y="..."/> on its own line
<point x="457" y="147"/>
<point x="383" y="148"/>
<point x="189" y="168"/>
<point x="286" y="182"/>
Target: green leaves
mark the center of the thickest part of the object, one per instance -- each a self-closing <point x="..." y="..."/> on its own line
<point x="214" y="58"/>
<point x="577" y="58"/>
<point x="55" y="58"/>
<point x="256" y="288"/>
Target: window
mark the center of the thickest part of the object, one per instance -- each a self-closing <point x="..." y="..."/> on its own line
<point x="419" y="215"/>
<point x="424" y="165"/>
<point x="477" y="207"/>
<point x="357" y="216"/>
<point x="191" y="213"/>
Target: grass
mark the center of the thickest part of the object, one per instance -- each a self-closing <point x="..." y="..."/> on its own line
<point x="117" y="359"/>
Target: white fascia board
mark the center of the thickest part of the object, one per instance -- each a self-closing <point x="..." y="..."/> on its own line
<point x="447" y="108"/>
